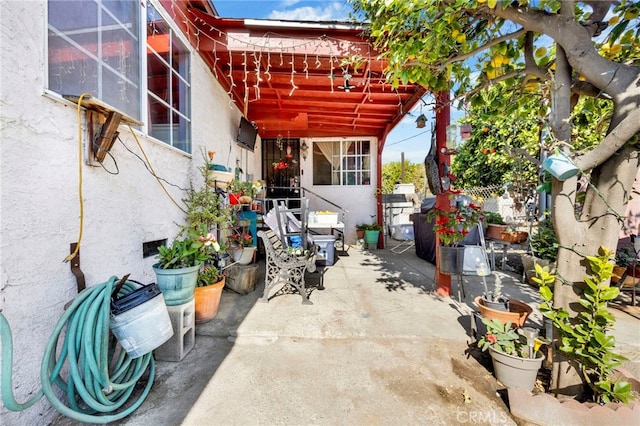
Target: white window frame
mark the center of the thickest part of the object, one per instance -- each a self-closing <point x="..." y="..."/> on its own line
<point x="143" y="91"/>
<point x="175" y="32"/>
<point x="101" y="62"/>
<point x="343" y="157"/>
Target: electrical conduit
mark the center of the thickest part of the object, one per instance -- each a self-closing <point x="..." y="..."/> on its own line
<point x="101" y="376"/>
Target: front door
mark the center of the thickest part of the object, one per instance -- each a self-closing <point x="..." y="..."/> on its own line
<point x="281" y="166"/>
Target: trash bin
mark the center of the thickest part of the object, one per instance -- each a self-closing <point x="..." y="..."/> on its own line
<point x="326" y="249"/>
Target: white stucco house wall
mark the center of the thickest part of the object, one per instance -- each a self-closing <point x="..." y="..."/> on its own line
<point x="124" y="205"/>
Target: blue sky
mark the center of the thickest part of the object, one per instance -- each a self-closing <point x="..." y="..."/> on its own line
<point x="405" y="137"/>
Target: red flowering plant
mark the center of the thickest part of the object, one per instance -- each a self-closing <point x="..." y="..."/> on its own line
<point x="503" y="337"/>
<point x="453" y="225"/>
<point x="245" y="240"/>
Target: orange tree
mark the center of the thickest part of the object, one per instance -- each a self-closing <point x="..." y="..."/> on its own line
<point x="575" y="55"/>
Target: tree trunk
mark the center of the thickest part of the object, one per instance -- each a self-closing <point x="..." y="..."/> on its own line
<point x="565" y="378"/>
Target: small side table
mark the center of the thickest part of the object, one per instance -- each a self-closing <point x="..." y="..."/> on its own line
<point x="493" y="244"/>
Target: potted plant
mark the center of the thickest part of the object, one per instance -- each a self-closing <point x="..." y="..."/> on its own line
<point x="241" y="248"/>
<point x="586" y="340"/>
<point x="241" y="192"/>
<point x="495" y="225"/>
<point x="451" y="227"/>
<point x="587" y="343"/>
<point x="177" y="268"/>
<point x="208" y="293"/>
<point x="209" y="284"/>
<point x="495" y="299"/>
<point x="217" y="175"/>
<point x="360" y="230"/>
<point x="205" y="208"/>
<point x="514" y="353"/>
<point x="494" y="306"/>
<point x="372" y="232"/>
<point x="512" y="235"/>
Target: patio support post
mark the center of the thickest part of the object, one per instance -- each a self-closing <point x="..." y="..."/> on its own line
<point x="443" y="117"/>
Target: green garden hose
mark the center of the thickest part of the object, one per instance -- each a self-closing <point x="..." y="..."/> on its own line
<point x="102" y="376"/>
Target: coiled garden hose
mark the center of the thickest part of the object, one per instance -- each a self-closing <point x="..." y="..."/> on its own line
<point x="102" y="376"/>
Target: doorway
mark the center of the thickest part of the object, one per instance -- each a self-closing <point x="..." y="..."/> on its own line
<point x="281" y="167"/>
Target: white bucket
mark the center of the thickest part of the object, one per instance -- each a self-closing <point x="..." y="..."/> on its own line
<point x="140" y="321"/>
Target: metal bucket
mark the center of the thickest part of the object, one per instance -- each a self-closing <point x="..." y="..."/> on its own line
<point x="140" y="320"/>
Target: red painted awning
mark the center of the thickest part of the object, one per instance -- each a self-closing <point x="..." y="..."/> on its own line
<point x="292" y="78"/>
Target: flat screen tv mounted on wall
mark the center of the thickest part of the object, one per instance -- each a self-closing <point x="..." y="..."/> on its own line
<point x="247" y="134"/>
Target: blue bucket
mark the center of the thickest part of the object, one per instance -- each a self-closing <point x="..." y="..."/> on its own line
<point x="560" y="167"/>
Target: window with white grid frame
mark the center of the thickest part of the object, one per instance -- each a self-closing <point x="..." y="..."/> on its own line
<point x="169" y="87"/>
<point x="342" y="162"/>
<point x="94" y="47"/>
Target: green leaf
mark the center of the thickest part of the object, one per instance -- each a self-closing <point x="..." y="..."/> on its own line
<point x="585" y="303"/>
<point x="545" y="293"/>
<point x="610" y="293"/>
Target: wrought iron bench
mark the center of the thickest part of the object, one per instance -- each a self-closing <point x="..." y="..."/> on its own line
<point x="282" y="267"/>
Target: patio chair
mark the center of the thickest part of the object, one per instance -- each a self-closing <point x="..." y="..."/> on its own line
<point x="282" y="267"/>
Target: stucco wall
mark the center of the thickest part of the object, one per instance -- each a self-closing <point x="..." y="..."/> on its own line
<point x="359" y="200"/>
<point x="39" y="194"/>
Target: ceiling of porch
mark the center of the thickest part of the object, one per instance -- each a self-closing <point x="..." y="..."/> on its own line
<point x="289" y="77"/>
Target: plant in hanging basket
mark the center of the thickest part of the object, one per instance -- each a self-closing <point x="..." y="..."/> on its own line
<point x="454" y="224"/>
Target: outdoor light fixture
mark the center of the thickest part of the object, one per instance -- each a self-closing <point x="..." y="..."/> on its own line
<point x="304" y="148"/>
<point x="347" y="82"/>
<point x="421" y="121"/>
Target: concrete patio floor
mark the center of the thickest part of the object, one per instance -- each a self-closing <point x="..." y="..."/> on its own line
<point x="377" y="347"/>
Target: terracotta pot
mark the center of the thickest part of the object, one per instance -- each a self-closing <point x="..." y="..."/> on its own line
<point x="494" y="231"/>
<point x="515" y="237"/>
<point x="517" y="315"/>
<point x="359" y="233"/>
<point x="207" y="300"/>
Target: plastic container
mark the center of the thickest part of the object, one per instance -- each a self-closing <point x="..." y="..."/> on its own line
<point x="402" y="232"/>
<point x="140" y="321"/>
<point x="326" y="249"/>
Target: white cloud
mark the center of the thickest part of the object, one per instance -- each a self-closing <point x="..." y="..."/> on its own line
<point x="334" y="11"/>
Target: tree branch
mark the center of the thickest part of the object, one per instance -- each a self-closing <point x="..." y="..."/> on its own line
<point x="621" y="133"/>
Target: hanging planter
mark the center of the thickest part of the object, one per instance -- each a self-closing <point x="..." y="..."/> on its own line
<point x="451" y="260"/>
